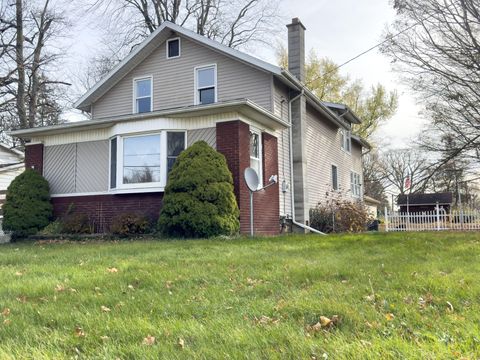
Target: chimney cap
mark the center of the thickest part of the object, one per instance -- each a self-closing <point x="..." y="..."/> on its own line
<point x="296" y="21"/>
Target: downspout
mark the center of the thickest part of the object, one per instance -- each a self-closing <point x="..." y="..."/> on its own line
<point x="292" y="184"/>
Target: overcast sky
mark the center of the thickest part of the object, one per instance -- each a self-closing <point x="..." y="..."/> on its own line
<point x="339" y="30"/>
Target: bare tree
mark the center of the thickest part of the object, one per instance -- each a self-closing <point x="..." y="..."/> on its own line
<point x="439" y="58"/>
<point x="235" y="23"/>
<point x="395" y="166"/>
<point x="29" y="96"/>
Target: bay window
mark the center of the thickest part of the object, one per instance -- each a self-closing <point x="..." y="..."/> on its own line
<point x="143" y="161"/>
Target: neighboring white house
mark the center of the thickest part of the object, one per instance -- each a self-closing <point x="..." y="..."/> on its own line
<point x="11" y="165"/>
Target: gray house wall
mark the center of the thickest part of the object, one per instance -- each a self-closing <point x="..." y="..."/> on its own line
<point x="323" y="148"/>
<point x="173" y="81"/>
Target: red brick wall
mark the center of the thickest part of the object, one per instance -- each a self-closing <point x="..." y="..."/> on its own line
<point x="233" y="141"/>
<point x="34" y="157"/>
<point x="103" y="208"/>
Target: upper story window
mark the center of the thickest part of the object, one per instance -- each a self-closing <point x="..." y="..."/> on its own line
<point x="256" y="154"/>
<point x="143" y="161"/>
<point x="355" y="186"/>
<point x="206" y="84"/>
<point x="346" y="140"/>
<point x="334" y="177"/>
<point x="173" y="48"/>
<point x="142" y="94"/>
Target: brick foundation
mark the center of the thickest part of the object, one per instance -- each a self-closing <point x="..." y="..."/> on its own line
<point x="103" y="208"/>
<point x="233" y="141"/>
<point x="34" y="157"/>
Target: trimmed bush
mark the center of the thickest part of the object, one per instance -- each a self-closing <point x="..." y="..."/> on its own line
<point x="27" y="207"/>
<point x="199" y="199"/>
<point x="130" y="224"/>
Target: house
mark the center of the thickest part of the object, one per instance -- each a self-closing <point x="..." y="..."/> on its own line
<point x="179" y="87"/>
<point x="11" y="165"/>
<point x="423" y="202"/>
<point x="371" y="205"/>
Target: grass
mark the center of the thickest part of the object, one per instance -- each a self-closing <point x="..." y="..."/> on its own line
<point x="397" y="296"/>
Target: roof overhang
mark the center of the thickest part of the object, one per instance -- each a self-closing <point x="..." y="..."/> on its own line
<point x="343" y="111"/>
<point x="371" y="200"/>
<point x="361" y="141"/>
<point x="244" y="107"/>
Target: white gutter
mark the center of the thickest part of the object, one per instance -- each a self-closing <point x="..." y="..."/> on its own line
<point x="292" y="183"/>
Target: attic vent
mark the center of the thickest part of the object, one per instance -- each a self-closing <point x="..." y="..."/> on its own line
<point x="173" y="48"/>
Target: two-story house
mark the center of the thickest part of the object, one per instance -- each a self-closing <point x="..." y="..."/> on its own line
<point x="179" y="87"/>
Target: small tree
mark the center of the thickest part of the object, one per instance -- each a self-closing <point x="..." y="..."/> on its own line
<point x="27" y="207"/>
<point x="199" y="199"/>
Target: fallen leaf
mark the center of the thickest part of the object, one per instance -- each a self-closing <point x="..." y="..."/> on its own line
<point x="18" y="273"/>
<point x="7" y="321"/>
<point x="389" y="316"/>
<point x="112" y="270"/>
<point x="6" y="312"/>
<point x="168" y="284"/>
<point x="131" y="287"/>
<point x="72" y="290"/>
<point x="79" y="332"/>
<point x="450" y="306"/>
<point x="181" y="343"/>
<point x="59" y="288"/>
<point x="105" y="309"/>
<point x="22" y="299"/>
<point x="104" y="338"/>
<point x="365" y="343"/>
<point x="325" y="321"/>
<point x="344" y="281"/>
<point x="265" y="320"/>
<point x="149" y="340"/>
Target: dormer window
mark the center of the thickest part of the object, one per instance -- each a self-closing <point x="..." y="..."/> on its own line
<point x="205" y="85"/>
<point x="173" y="48"/>
<point x="142" y="88"/>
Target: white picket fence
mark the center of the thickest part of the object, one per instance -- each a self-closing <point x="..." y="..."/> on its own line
<point x="436" y="220"/>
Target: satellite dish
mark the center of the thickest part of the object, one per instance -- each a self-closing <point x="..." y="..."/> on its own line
<point x="251" y="179"/>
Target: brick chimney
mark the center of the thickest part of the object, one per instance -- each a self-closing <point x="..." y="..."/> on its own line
<point x="296" y="49"/>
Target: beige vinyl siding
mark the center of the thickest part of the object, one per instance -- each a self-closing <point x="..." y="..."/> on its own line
<point x="59" y="168"/>
<point x="209" y="135"/>
<point x="77" y="168"/>
<point x="92" y="166"/>
<point x="322" y="150"/>
<point x="173" y="81"/>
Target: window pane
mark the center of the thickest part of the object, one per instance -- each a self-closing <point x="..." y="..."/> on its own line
<point x="143" y="88"/>
<point x="143" y="105"/>
<point x="113" y="163"/>
<point x="334" y="178"/>
<point x="175" y="143"/>
<point x="254" y="146"/>
<point x="170" y="162"/>
<point x="207" y="96"/>
<point x="206" y="77"/>
<point x="173" y="48"/>
<point x="141" y="159"/>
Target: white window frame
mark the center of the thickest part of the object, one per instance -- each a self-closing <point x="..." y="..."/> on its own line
<point x="196" y="89"/>
<point x="149" y="77"/>
<point x="135" y="187"/>
<point x="179" y="48"/>
<point x="258" y="132"/>
<point x="346" y="138"/>
<point x="331" y="176"/>
<point x="355" y="186"/>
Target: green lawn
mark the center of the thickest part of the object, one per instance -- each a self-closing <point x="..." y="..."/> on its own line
<point x="396" y="295"/>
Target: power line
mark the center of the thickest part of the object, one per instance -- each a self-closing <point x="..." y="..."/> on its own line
<point x="372" y="48"/>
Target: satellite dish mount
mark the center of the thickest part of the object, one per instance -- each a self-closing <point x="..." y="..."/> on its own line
<point x="253" y="184"/>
